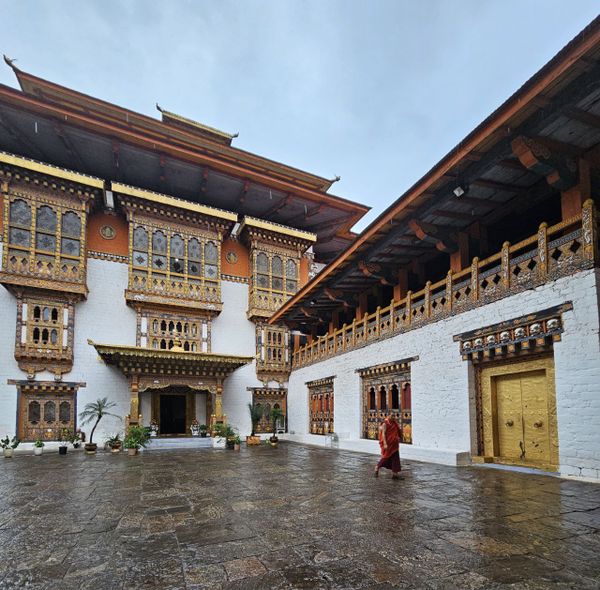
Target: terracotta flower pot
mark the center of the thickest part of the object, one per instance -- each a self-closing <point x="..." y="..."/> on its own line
<point x="252" y="440"/>
<point x="132" y="452"/>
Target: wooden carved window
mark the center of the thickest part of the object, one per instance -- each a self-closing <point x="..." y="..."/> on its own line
<point x="268" y="399"/>
<point x="320" y="406"/>
<point x="44" y="414"/>
<point x="44" y="240"/>
<point x="161" y="331"/>
<point x="386" y="391"/>
<point x="276" y="273"/>
<point x="43" y="325"/>
<point x="174" y="263"/>
<point x="272" y="347"/>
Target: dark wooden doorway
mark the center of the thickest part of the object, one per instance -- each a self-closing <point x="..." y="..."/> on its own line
<point x="172" y="414"/>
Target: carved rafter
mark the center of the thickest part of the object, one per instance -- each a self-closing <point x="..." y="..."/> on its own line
<point x="337" y="297"/>
<point x="376" y="271"/>
<point x="433" y="234"/>
<point x="278" y="206"/>
<point x="559" y="170"/>
<point x="584" y="117"/>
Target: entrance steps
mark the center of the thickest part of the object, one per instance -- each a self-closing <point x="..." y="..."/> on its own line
<point x="195" y="442"/>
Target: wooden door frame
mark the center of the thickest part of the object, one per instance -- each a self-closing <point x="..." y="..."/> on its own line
<point x="190" y="405"/>
<point x="487" y="413"/>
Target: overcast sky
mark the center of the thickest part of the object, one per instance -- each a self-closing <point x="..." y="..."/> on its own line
<point x="374" y="91"/>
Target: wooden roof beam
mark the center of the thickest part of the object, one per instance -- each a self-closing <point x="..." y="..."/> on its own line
<point x="337" y="297"/>
<point x="66" y="141"/>
<point x="454" y="214"/>
<point x="278" y="206"/>
<point x="434" y="234"/>
<point x="241" y="198"/>
<point x="204" y="180"/>
<point x="561" y="172"/>
<point x="499" y="186"/>
<point x="584" y="117"/>
<point x="376" y="271"/>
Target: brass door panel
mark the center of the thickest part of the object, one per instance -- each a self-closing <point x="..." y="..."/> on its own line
<point x="534" y="391"/>
<point x="519" y="413"/>
<point x="509" y="418"/>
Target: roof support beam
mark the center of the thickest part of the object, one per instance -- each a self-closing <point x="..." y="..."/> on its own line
<point x="560" y="171"/>
<point x="71" y="149"/>
<point x="499" y="186"/>
<point x="278" y="206"/>
<point x="455" y="215"/>
<point x="433" y="234"/>
<point x="376" y="271"/>
<point x="243" y="192"/>
<point x="584" y="117"/>
<point x="337" y="297"/>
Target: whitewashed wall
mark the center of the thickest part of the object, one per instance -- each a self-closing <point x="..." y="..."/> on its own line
<point x="442" y="383"/>
<point x="233" y="333"/>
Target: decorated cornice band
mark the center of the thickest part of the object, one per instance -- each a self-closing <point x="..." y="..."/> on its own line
<point x="323" y="381"/>
<point x="135" y="360"/>
<point x="31" y="386"/>
<point x="401" y="366"/>
<point x="268" y="391"/>
<point x="535" y="332"/>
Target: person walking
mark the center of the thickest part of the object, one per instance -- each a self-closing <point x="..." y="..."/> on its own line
<point x="389" y="441"/>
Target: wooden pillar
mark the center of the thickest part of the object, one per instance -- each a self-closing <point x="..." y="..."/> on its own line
<point x="401" y="288"/>
<point x="571" y="201"/>
<point x="135" y="417"/>
<point x="334" y="324"/>
<point x="363" y="304"/>
<point x="460" y="259"/>
<point x="219" y="402"/>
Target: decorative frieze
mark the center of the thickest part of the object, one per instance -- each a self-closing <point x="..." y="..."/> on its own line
<point x="532" y="333"/>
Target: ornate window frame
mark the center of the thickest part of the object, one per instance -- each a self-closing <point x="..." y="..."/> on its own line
<point x="270" y="397"/>
<point x="386" y="389"/>
<point x="158" y="329"/>
<point x="321" y="406"/>
<point x="53" y="256"/>
<point x="39" y="316"/>
<point x="273" y="353"/>
<point x="49" y="397"/>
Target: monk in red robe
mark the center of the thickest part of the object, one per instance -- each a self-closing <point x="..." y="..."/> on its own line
<point x="389" y="441"/>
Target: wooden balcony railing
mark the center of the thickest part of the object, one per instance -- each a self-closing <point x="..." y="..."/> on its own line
<point x="553" y="252"/>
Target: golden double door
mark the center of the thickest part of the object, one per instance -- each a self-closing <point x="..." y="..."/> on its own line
<point x="519" y="413"/>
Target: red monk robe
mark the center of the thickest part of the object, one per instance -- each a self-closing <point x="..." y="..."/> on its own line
<point x="389" y="441"/>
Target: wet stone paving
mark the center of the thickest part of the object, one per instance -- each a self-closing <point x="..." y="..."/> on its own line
<point x="291" y="517"/>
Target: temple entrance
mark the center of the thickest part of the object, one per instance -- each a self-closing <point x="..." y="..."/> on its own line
<point x="172" y="415"/>
<point x="173" y="409"/>
<point x="519" y="413"/>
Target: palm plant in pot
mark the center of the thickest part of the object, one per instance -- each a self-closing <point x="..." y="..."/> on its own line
<point x="38" y="447"/>
<point x="274" y="416"/>
<point x="137" y="437"/>
<point x="94" y="412"/>
<point x="9" y="445"/>
<point x="256" y="413"/>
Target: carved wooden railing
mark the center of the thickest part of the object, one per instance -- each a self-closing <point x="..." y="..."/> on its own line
<point x="553" y="252"/>
<point x="209" y="291"/>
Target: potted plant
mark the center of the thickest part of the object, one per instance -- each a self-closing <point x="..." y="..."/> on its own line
<point x="9" y="445"/>
<point x="153" y="428"/>
<point x="115" y="443"/>
<point x="195" y="427"/>
<point x="137" y="437"/>
<point x="63" y="441"/>
<point x="256" y="413"/>
<point x="38" y="447"/>
<point x="275" y="415"/>
<point x="95" y="411"/>
<point x="203" y="430"/>
<point x="219" y="440"/>
<point x="76" y="439"/>
<point x="230" y="435"/>
<point x="237" y="441"/>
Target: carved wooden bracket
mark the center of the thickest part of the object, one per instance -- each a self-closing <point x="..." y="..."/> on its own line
<point x="560" y="171"/>
<point x="427" y="232"/>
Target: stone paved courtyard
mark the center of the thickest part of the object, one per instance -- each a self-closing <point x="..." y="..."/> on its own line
<point x="292" y="517"/>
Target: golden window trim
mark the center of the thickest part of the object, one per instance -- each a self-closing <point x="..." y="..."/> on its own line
<point x="394" y="367"/>
<point x="173" y="288"/>
<point x="198" y="321"/>
<point x="21" y="264"/>
<point x="35" y="357"/>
